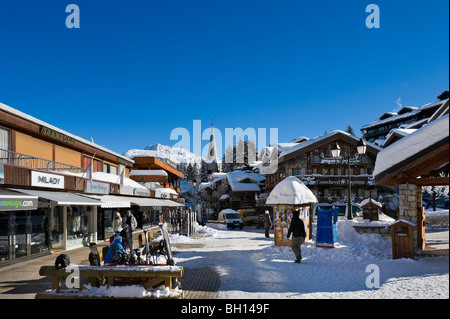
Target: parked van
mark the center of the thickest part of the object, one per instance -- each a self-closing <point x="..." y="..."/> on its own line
<point x="231" y="218"/>
<point x="249" y="216"/>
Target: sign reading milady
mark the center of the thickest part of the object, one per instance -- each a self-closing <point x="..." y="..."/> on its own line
<point x="47" y="180"/>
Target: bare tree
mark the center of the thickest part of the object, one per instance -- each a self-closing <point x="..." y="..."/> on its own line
<point x="436" y="191"/>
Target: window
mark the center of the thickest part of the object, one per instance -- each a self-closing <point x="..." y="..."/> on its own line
<point x="5" y="144"/>
<point x="108" y="168"/>
<point x="296" y="172"/>
<point x="97" y="165"/>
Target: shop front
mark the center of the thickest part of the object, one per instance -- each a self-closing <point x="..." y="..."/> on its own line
<point x="71" y="219"/>
<point x="22" y="227"/>
<point x="110" y="206"/>
<point x="146" y="210"/>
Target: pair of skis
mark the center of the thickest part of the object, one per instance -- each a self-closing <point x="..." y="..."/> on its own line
<point x="164" y="247"/>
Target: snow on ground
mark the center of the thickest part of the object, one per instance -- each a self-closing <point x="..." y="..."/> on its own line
<point x="250" y="266"/>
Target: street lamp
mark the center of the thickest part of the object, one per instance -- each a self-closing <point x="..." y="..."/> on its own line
<point x="347" y="155"/>
<point x="194" y="184"/>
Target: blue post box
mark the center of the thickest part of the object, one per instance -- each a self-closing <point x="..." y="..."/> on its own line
<point x="327" y="228"/>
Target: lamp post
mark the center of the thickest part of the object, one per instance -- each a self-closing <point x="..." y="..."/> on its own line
<point x="347" y="155"/>
<point x="194" y="184"/>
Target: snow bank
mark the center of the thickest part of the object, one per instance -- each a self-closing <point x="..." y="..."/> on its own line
<point x="250" y="266"/>
<point x="363" y="245"/>
<point x="132" y="291"/>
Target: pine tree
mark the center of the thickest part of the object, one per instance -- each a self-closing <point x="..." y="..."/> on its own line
<point x="189" y="172"/>
<point x="204" y="172"/>
<point x="195" y="173"/>
<point x="229" y="159"/>
<point x="350" y="130"/>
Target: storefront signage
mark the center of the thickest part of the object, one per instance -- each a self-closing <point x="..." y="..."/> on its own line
<point x="47" y="180"/>
<point x="2" y="174"/>
<point x="97" y="188"/>
<point x="329" y="181"/>
<point x="120" y="160"/>
<point x="141" y="192"/>
<point x="126" y="190"/>
<point x="10" y="204"/>
<point x="57" y="135"/>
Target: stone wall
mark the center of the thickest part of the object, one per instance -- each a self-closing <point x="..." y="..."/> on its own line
<point x="410" y="199"/>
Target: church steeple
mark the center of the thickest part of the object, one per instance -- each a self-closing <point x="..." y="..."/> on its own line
<point x="212" y="150"/>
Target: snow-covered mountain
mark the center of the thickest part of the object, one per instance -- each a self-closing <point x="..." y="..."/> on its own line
<point x="174" y="154"/>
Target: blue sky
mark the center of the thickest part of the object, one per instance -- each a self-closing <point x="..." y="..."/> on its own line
<point x="135" y="71"/>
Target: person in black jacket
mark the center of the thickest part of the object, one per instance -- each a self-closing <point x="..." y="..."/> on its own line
<point x="297" y="229"/>
<point x="267" y="223"/>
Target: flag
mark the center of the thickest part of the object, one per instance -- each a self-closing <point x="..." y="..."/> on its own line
<point x="122" y="177"/>
<point x="89" y="170"/>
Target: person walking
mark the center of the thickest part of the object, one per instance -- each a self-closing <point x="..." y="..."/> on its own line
<point x="129" y="220"/>
<point x="117" y="221"/>
<point x="267" y="223"/>
<point x="297" y="229"/>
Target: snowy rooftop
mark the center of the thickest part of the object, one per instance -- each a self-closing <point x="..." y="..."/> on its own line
<point x="320" y="138"/>
<point x="291" y="191"/>
<point x="401" y="115"/>
<point x="109" y="178"/>
<point x="366" y="201"/>
<point x="237" y="181"/>
<point x="32" y="119"/>
<point x="412" y="144"/>
<point x="150" y="172"/>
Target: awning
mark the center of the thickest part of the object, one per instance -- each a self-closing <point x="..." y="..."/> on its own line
<point x="111" y="201"/>
<point x="147" y="202"/>
<point x="10" y="201"/>
<point x="61" y="198"/>
<point x="171" y="203"/>
<point x="153" y="202"/>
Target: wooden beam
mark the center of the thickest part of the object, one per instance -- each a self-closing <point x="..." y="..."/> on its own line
<point x="430" y="181"/>
<point x="437" y="171"/>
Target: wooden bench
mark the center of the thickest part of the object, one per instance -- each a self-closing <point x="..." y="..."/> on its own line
<point x="157" y="275"/>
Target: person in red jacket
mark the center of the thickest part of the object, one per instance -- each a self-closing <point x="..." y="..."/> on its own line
<point x="297" y="229"/>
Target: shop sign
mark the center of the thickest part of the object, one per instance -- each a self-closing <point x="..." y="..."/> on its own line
<point x="141" y="192"/>
<point x="10" y="204"/>
<point x="2" y="174"/>
<point x="57" y="135"/>
<point x="163" y="195"/>
<point x="126" y="190"/>
<point x="97" y="188"/>
<point x="47" y="180"/>
<point x="122" y="161"/>
<point x="337" y="181"/>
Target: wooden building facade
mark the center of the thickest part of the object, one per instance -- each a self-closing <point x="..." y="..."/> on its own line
<point x="311" y="161"/>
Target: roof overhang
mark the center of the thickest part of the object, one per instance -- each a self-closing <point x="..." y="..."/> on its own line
<point x="411" y="169"/>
